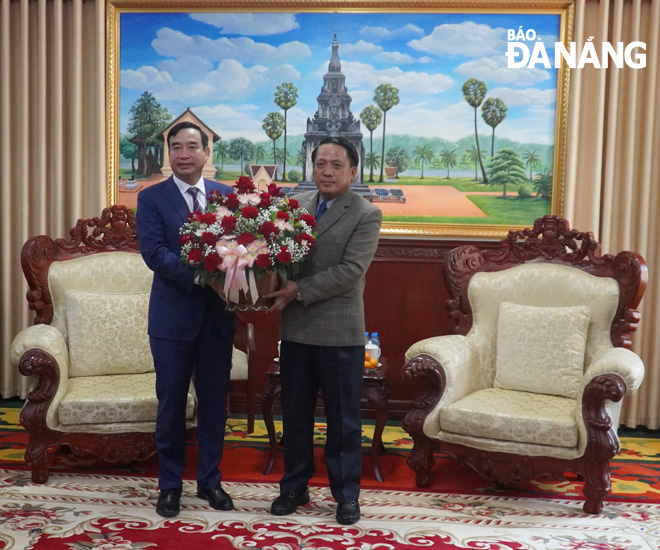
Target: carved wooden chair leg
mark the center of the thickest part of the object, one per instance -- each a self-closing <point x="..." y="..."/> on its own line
<point x="422" y="460"/>
<point x="597" y="486"/>
<point x="36" y="455"/>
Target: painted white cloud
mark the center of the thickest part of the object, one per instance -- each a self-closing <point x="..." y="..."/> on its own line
<point x="528" y="97"/>
<point x="249" y="24"/>
<point x="452" y="122"/>
<point x="230" y="80"/>
<point x="365" y="75"/>
<point x="469" y="39"/>
<point x="145" y="77"/>
<point x="383" y="32"/>
<point x="363" y="49"/>
<point x="494" y="69"/>
<point x="186" y="69"/>
<point x="175" y="44"/>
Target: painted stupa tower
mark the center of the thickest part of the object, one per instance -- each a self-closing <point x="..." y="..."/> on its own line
<point x="334" y="118"/>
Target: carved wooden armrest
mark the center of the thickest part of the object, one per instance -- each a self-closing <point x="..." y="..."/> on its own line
<point x="456" y="356"/>
<point x="444" y="363"/>
<point x="627" y="364"/>
<point x="41" y="351"/>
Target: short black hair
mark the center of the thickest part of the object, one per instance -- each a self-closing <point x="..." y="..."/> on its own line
<point x="342" y="142"/>
<point x="181" y="126"/>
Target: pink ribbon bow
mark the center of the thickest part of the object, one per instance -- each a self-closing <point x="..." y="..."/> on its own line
<point x="234" y="262"/>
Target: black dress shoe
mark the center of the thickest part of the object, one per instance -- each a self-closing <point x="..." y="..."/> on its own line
<point x="348" y="513"/>
<point x="216" y="497"/>
<point x="287" y="504"/>
<point x="168" y="503"/>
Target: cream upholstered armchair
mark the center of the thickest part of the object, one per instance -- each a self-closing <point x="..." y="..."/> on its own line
<point x="532" y="384"/>
<point x="92" y="376"/>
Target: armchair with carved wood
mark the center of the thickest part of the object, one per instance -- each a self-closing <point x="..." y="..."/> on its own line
<point x="532" y="384"/>
<point x="92" y="376"/>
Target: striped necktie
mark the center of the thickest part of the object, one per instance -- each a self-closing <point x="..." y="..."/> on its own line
<point x="321" y="209"/>
<point x="196" y="206"/>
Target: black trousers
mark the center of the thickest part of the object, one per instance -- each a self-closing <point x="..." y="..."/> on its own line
<point x="337" y="372"/>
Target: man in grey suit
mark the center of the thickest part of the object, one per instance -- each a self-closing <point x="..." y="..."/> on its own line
<point x="322" y="333"/>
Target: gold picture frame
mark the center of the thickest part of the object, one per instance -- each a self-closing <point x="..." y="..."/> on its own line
<point x="224" y="24"/>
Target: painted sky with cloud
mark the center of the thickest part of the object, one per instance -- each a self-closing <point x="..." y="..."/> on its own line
<point x="226" y="67"/>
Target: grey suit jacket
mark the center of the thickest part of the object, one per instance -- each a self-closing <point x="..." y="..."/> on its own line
<point x="331" y="280"/>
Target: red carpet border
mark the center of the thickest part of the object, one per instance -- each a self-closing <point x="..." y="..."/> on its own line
<point x="84" y="512"/>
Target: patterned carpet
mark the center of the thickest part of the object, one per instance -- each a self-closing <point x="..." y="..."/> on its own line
<point x="87" y="506"/>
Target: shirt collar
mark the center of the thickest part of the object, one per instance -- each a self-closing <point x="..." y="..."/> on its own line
<point x="183" y="187"/>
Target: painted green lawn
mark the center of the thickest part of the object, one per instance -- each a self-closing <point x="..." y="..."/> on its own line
<point x="510" y="211"/>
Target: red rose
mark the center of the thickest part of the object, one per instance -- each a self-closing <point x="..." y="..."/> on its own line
<point x="208" y="238"/>
<point x="194" y="256"/>
<point x="284" y="256"/>
<point x="215" y="197"/>
<point x="244" y="185"/>
<point x="293" y="204"/>
<point x="228" y="223"/>
<point x="281" y="215"/>
<point x="309" y="219"/>
<point x="245" y="238"/>
<point x="265" y="200"/>
<point x="274" y="190"/>
<point x="212" y="261"/>
<point x="268" y="230"/>
<point x="208" y="218"/>
<point x="264" y="261"/>
<point x="231" y="201"/>
<point x="250" y="212"/>
<point x="185" y="239"/>
<point x="300" y="237"/>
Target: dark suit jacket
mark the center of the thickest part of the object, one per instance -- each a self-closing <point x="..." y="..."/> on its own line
<point x="176" y="305"/>
<point x="331" y="281"/>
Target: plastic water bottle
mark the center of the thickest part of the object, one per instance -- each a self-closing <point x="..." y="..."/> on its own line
<point x="367" y="340"/>
<point x="375" y="340"/>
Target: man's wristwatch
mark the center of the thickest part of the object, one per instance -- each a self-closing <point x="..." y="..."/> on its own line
<point x="299" y="297"/>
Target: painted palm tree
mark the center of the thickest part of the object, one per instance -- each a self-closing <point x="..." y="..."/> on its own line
<point x="449" y="159"/>
<point x="259" y="153"/>
<point x="543" y="185"/>
<point x="273" y="125"/>
<point x="241" y="148"/>
<point x="400" y="159"/>
<point x="286" y="96"/>
<point x="506" y="167"/>
<point x="532" y="159"/>
<point x="386" y="96"/>
<point x="475" y="91"/>
<point x="299" y="158"/>
<point x="372" y="161"/>
<point x="220" y="150"/>
<point x="423" y="154"/>
<point x="472" y="156"/>
<point x="371" y="116"/>
<point x="493" y="112"/>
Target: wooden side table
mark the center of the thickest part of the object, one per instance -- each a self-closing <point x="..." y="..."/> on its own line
<point x="375" y="390"/>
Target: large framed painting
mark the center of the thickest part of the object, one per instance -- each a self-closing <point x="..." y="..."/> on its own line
<point x="458" y="110"/>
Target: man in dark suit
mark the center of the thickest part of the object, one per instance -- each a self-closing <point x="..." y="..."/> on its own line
<point x="322" y="333"/>
<point x="190" y="330"/>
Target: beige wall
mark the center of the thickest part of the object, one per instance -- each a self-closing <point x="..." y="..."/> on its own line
<point x="53" y="154"/>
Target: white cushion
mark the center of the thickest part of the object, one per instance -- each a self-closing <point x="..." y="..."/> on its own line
<point x="541" y="349"/>
<point x="514" y="416"/>
<point x="107" y="333"/>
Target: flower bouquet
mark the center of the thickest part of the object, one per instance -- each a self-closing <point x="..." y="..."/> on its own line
<point x="248" y="241"/>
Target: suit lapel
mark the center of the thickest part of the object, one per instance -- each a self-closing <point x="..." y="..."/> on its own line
<point x="335" y="212"/>
<point x="177" y="201"/>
